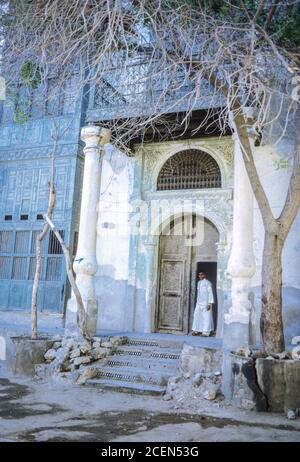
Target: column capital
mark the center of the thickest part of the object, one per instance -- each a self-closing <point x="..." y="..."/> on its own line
<point x="90" y="135"/>
<point x="93" y="136"/>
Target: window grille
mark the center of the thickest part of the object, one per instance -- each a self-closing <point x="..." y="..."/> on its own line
<point x="6" y="241"/>
<point x="54" y="247"/>
<point x="4" y="267"/>
<point x="19" y="268"/>
<point x="189" y="169"/>
<point x="22" y="241"/>
<point x="54" y="267"/>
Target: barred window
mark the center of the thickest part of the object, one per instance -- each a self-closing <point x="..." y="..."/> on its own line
<point x="189" y="169"/>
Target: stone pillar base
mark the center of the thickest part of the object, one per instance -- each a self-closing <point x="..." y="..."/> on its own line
<point x="71" y="328"/>
<point x="91" y="307"/>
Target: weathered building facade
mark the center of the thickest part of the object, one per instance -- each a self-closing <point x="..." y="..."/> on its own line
<point x="134" y="271"/>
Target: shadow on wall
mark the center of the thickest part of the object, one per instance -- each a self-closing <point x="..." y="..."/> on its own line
<point x="117" y="300"/>
<point x="291" y="312"/>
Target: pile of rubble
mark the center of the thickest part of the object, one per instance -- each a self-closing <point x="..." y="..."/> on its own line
<point x="254" y="354"/>
<point x="189" y="392"/>
<point x="68" y="357"/>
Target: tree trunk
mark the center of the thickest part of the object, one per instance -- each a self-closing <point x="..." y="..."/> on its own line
<point x="38" y="268"/>
<point x="271" y="324"/>
<point x="35" y="288"/>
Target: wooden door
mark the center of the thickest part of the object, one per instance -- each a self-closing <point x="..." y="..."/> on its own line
<point x="174" y="282"/>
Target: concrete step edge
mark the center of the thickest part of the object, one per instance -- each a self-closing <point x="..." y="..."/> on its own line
<point x="135" y="387"/>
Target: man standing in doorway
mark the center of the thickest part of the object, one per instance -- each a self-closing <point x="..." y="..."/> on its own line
<point x="203" y="320"/>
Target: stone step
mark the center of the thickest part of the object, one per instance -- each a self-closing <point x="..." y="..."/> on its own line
<point x="160" y="343"/>
<point x="134" y="375"/>
<point x="132" y="361"/>
<point x="148" y="352"/>
<point x="129" y="387"/>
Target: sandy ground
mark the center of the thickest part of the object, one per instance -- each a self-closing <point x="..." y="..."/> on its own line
<point x="39" y="411"/>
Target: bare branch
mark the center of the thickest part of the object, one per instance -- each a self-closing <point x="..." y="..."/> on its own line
<point x="80" y="306"/>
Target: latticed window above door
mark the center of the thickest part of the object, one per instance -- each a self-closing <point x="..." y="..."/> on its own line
<point x="189" y="169"/>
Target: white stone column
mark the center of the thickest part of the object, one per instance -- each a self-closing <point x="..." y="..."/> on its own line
<point x="241" y="265"/>
<point x="85" y="263"/>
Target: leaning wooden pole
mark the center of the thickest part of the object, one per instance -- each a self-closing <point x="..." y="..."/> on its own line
<point x="80" y="306"/>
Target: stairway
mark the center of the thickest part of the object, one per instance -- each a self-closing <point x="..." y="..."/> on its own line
<point x="140" y="366"/>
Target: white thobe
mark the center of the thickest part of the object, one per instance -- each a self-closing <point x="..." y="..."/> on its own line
<point x="203" y="320"/>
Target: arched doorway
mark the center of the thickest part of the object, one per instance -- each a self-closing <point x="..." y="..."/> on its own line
<point x="188" y="244"/>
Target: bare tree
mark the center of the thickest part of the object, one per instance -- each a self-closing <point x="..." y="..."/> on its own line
<point x="57" y="134"/>
<point x="156" y="57"/>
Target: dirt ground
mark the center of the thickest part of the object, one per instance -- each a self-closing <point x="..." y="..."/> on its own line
<point x="37" y="411"/>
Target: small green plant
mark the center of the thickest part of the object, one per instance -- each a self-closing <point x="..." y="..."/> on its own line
<point x="31" y="74"/>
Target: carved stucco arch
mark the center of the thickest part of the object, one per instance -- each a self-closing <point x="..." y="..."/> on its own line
<point x="163" y="155"/>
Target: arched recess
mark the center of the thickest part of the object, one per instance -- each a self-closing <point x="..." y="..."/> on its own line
<point x="178" y="264"/>
<point x="189" y="169"/>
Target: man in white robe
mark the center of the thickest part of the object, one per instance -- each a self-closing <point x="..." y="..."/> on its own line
<point x="203" y="320"/>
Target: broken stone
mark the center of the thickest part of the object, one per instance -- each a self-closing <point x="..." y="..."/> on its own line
<point x="197" y="379"/>
<point x="106" y="344"/>
<point x="85" y="347"/>
<point x="118" y="340"/>
<point x="56" y="345"/>
<point x="291" y="415"/>
<point x="69" y="343"/>
<point x="75" y="353"/>
<point x="210" y="395"/>
<point x="88" y="373"/>
<point x="61" y="360"/>
<point x="258" y="354"/>
<point x="187" y="375"/>
<point x="99" y="353"/>
<point x="50" y="355"/>
<point x="167" y="397"/>
<point x="96" y="344"/>
<point x="82" y="360"/>
<point x="244" y="351"/>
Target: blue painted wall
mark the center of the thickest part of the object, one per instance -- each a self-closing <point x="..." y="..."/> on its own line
<point x="25" y="151"/>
